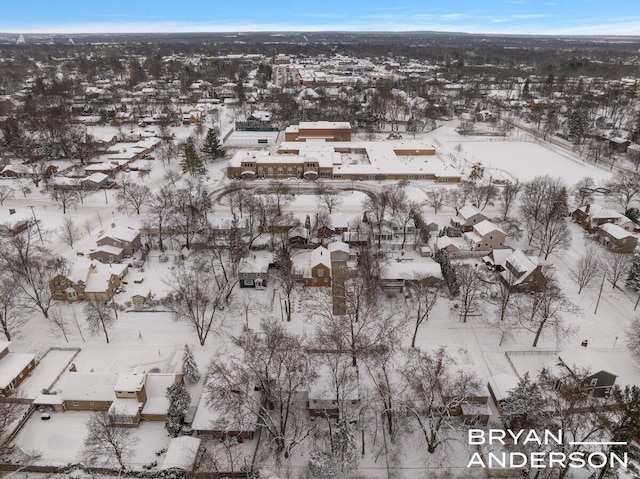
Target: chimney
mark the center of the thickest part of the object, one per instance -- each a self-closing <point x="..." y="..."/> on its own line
<point x="584" y="343"/>
<point x="12" y="211"/>
<point x="587" y="208"/>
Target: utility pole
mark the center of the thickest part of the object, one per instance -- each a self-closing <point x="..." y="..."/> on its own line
<point x="37" y="225"/>
<point x="604" y="276"/>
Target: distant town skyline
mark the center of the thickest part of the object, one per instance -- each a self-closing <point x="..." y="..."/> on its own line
<point x="544" y="17"/>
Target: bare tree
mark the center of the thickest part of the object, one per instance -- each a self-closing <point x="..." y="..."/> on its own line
<point x="376" y="206"/>
<point x="555" y="236"/>
<point x="363" y="328"/>
<point x="456" y="198"/>
<point x="436" y="388"/>
<point x="160" y="206"/>
<point x="199" y="297"/>
<point x="623" y="188"/>
<point x="9" y="413"/>
<point x="99" y="316"/>
<point x="424" y="296"/>
<point x="285" y="276"/>
<point x="507" y="196"/>
<point x="69" y="231"/>
<point x="134" y="195"/>
<point x="616" y="265"/>
<point x="106" y="442"/>
<point x="188" y="214"/>
<point x="633" y="338"/>
<point x="470" y="284"/>
<point x="543" y="201"/>
<point x="480" y="195"/>
<point x="33" y="266"/>
<point x="436" y="199"/>
<point x="585" y="269"/>
<point x="6" y="192"/>
<point x="328" y="196"/>
<point x="281" y="194"/>
<point x="81" y="190"/>
<point x="274" y="363"/>
<point x="12" y="312"/>
<point x="583" y="191"/>
<point x="543" y="309"/>
<point x="65" y="197"/>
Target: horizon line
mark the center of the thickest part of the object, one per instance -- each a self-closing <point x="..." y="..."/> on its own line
<point x="299" y="31"/>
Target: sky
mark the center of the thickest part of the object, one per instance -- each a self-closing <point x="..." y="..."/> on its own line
<point x="570" y="17"/>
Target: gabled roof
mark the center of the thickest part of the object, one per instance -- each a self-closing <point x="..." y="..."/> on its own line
<point x="120" y="233"/>
<point x="321" y="255"/>
<point x="467" y="211"/>
<point x="616" y="231"/>
<point x="581" y="357"/>
<point x="485" y="227"/>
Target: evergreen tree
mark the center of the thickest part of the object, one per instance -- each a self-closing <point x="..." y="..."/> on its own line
<point x="448" y="273"/>
<point x="633" y="278"/>
<point x="192" y="163"/>
<point x="179" y="402"/>
<point x="523" y="407"/>
<point x="340" y="458"/>
<point x="212" y="148"/>
<point x="578" y="126"/>
<point x="189" y="366"/>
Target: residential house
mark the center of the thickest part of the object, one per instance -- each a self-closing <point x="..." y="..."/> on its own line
<point x="485" y="236"/>
<point x="523" y="273"/>
<point x="95" y="181"/>
<point x="253" y="270"/>
<point x="322" y="398"/>
<point x="468" y="216"/>
<point x="591" y="216"/>
<point x="107" y="254"/>
<point x="14" y="368"/>
<point x="88" y="280"/>
<point x="338" y="251"/>
<point x="240" y="422"/>
<point x="617" y="239"/>
<point x="452" y="246"/>
<point x="599" y="379"/>
<point x="88" y="391"/>
<point x="495" y="259"/>
<point x="126" y="238"/>
<point x="313" y="268"/>
<point x="398" y="275"/>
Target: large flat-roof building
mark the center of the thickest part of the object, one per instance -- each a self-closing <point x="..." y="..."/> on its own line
<point x="358" y="160"/>
<point x="325" y="130"/>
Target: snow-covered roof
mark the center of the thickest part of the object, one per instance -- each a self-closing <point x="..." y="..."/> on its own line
<point x="498" y="256"/>
<point x="485" y="227"/>
<point x="113" y="250"/>
<point x="88" y="386"/>
<point x="467" y="211"/>
<point x="156" y="388"/>
<point x="502" y="384"/>
<point x="98" y="282"/>
<point x="181" y="453"/>
<point x="120" y="233"/>
<point x="338" y="246"/>
<point x="444" y="241"/>
<point x="125" y="407"/>
<point x="616" y="231"/>
<point x="12" y="365"/>
<point x="581" y="357"/>
<point x="129" y="382"/>
<point x="96" y="177"/>
<point x="321" y="255"/>
<point x="256" y="262"/>
<point x="411" y="270"/>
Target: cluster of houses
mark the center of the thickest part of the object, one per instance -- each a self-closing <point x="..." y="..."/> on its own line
<point x="99" y="274"/>
<point x="614" y="230"/>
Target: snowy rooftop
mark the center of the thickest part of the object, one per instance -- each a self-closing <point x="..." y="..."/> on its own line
<point x="88" y="386"/>
<point x="181" y="453"/>
<point x="321" y="255"/>
<point x="485" y="227"/>
<point x="12" y="365"/>
<point x="124" y="406"/>
<point x="256" y="262"/>
<point x="113" y="250"/>
<point x="129" y="382"/>
<point x="338" y="246"/>
<point x="120" y="233"/>
<point x="414" y="269"/>
<point x="615" y="231"/>
<point x="467" y="211"/>
<point x="581" y="357"/>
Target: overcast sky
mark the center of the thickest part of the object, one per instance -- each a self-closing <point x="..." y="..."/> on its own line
<point x="580" y="17"/>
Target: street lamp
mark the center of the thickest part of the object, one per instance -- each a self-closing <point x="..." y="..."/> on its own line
<point x="37" y="225"/>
